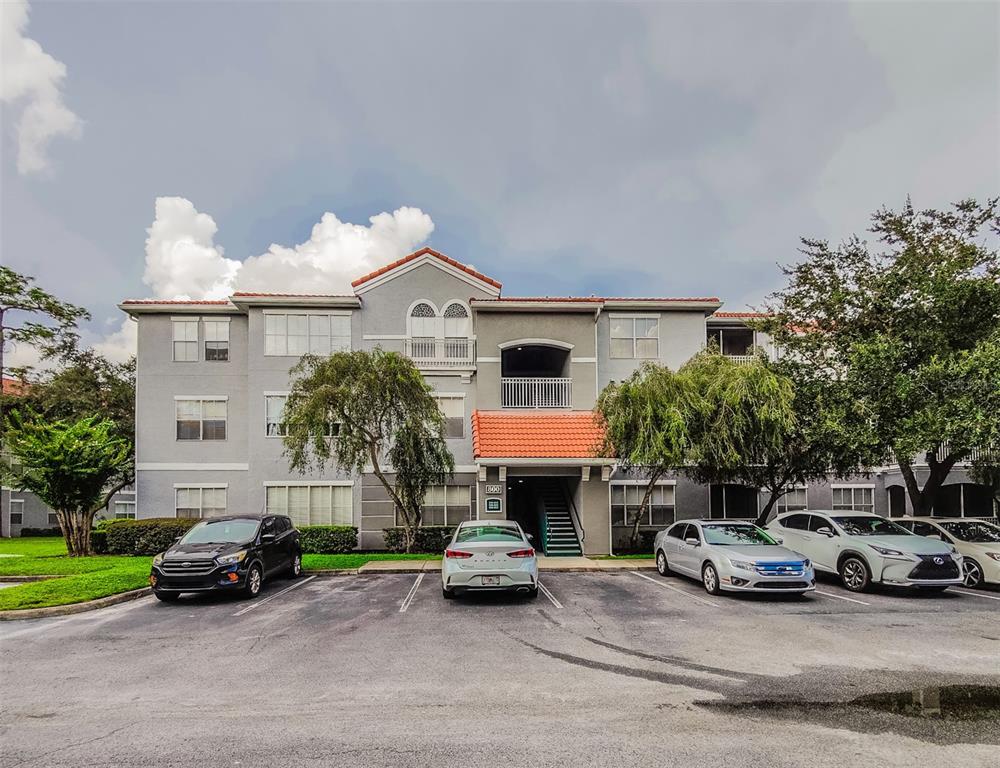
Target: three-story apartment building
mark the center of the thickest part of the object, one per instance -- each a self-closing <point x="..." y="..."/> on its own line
<point x="517" y="379"/>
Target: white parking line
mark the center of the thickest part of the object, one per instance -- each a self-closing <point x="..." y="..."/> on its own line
<point x="974" y="594"/>
<point x="259" y="603"/>
<point x="409" y="595"/>
<point x="841" y="597"/>
<point x="675" y="589"/>
<point x="549" y="595"/>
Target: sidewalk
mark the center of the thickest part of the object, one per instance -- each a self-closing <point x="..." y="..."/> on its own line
<point x="549" y="564"/>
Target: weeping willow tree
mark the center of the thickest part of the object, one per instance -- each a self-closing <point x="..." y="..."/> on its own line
<point x="767" y="425"/>
<point x="69" y="465"/>
<point x="360" y="409"/>
<point x="646" y="420"/>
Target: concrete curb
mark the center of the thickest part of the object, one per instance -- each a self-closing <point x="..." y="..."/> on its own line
<point x="64" y="610"/>
<point x="330" y="572"/>
<point x="423" y="566"/>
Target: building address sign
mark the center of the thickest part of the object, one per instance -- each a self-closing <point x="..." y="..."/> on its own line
<point x="494" y="489"/>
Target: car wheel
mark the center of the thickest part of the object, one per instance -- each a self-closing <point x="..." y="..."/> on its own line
<point x="447" y="594"/>
<point x="166" y="597"/>
<point x="710" y="578"/>
<point x="854" y="574"/>
<point x="295" y="569"/>
<point x="662" y="567"/>
<point x="255" y="579"/>
<point x="973" y="573"/>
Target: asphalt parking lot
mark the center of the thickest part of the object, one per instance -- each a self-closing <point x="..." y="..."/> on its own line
<point x="607" y="668"/>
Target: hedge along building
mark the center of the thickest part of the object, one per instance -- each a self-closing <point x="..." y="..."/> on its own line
<point x="517" y="379"/>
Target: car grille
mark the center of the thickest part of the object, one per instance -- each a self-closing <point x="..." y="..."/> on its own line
<point x="196" y="567"/>
<point x="928" y="569"/>
<point x="780" y="569"/>
<point x="780" y="585"/>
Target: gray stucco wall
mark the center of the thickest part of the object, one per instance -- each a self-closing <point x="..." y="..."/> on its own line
<point x="682" y="335"/>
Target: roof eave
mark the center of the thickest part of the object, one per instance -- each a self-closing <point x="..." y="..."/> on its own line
<point x="330" y="302"/>
<point x="174" y="308"/>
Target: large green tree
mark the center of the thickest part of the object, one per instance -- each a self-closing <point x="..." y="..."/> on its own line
<point x="369" y="411"/>
<point x="909" y="327"/>
<point x="68" y="465"/>
<point x="646" y="421"/>
<point x="30" y="315"/>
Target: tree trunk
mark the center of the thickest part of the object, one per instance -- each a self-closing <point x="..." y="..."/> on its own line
<point x="766" y="511"/>
<point x="643" y="505"/>
<point x="409" y="529"/>
<point x="922" y="499"/>
<point x="76" y="526"/>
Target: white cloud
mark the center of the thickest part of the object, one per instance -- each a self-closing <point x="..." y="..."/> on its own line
<point x="183" y="260"/>
<point x="119" y="346"/>
<point x="31" y="82"/>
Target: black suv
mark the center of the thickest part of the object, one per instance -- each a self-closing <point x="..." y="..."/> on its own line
<point x="232" y="554"/>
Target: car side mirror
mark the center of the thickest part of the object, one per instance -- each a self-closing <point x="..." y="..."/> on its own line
<point x="267" y="537"/>
<point x="826" y="531"/>
<point x="529" y="536"/>
<point x="177" y="539"/>
<point x="778" y="540"/>
<point x="692" y="541"/>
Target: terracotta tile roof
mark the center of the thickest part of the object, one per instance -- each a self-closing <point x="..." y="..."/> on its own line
<point x="417" y="255"/>
<point x="13" y="386"/>
<point x="199" y="302"/>
<point x="596" y="299"/>
<point x="516" y="434"/>
<point x="248" y="295"/>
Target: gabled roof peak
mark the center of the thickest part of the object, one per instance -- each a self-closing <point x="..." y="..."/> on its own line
<point x="426" y="253"/>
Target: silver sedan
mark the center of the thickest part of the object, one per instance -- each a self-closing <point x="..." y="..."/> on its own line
<point x="489" y="556"/>
<point x="731" y="556"/>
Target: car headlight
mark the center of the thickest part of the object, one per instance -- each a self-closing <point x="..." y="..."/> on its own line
<point x="743" y="565"/>
<point x="994" y="555"/>
<point x="894" y="553"/>
<point x="236" y="557"/>
<point x="157" y="559"/>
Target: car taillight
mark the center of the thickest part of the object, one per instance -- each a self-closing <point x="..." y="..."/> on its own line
<point x="521" y="553"/>
<point x="457" y="553"/>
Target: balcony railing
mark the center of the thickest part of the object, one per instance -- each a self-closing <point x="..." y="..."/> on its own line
<point x="531" y="392"/>
<point x="740" y="359"/>
<point x="441" y="353"/>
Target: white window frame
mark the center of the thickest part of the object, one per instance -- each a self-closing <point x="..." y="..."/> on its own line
<point x="781" y="505"/>
<point x="446" y="486"/>
<point x="130" y="515"/>
<point x="186" y="323"/>
<point x="853" y="488"/>
<point x="337" y="342"/>
<point x="451" y="396"/>
<point x="201" y="488"/>
<point x="278" y="435"/>
<point x="642" y="488"/>
<point x="11" y="512"/>
<point x="201" y="399"/>
<point x="310" y="485"/>
<point x="631" y="318"/>
<point x="216" y="325"/>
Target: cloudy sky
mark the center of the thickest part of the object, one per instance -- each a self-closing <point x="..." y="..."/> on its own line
<point x="186" y="149"/>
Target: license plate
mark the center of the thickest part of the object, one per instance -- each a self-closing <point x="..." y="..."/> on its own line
<point x="491" y="581"/>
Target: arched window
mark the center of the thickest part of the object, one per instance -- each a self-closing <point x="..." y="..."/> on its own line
<point x="423" y="321"/>
<point x="456" y="321"/>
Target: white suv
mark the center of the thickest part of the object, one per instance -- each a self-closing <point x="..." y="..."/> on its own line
<point x="863" y="548"/>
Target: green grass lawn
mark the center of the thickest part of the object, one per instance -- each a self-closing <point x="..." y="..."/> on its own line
<point x="330" y="562"/>
<point x="83" y="578"/>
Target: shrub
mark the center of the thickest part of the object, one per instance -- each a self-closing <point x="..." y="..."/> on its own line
<point x="40" y="532"/>
<point x="144" y="537"/>
<point x="328" y="539"/>
<point x="429" y="538"/>
<point x="99" y="541"/>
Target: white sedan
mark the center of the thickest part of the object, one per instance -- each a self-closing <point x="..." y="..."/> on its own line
<point x="489" y="556"/>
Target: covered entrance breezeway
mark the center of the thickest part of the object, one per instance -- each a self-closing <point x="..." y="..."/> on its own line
<point x="544" y="506"/>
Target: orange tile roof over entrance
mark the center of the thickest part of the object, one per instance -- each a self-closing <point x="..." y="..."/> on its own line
<point x="510" y="434"/>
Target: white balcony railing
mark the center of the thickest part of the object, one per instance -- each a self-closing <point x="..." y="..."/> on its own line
<point x="740" y="359"/>
<point x="531" y="392"/>
<point x="441" y="353"/>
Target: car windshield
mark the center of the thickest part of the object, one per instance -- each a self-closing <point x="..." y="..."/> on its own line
<point x="221" y="532"/>
<point x="869" y="526"/>
<point x="731" y="534"/>
<point x="975" y="531"/>
<point x="487" y="533"/>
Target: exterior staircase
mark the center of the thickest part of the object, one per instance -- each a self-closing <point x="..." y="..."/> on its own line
<point x="559" y="535"/>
